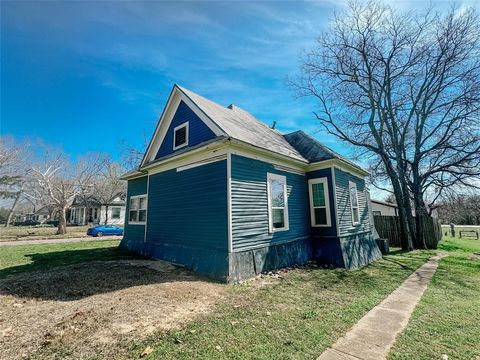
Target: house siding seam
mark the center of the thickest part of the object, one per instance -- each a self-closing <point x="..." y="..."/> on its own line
<point x="250" y="205"/>
<point x="134" y="234"/>
<point x="344" y="212"/>
<point x="198" y="131"/>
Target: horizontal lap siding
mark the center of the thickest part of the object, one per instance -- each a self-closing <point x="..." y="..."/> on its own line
<point x="198" y="131"/>
<point x="250" y="208"/>
<point x="343" y="204"/>
<point x="134" y="187"/>
<point x="189" y="208"/>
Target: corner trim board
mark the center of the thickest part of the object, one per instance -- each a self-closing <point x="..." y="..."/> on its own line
<point x="334" y="184"/>
<point x="229" y="201"/>
<point x="146" y="217"/>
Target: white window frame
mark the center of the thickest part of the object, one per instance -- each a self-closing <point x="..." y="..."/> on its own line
<point x="283" y="180"/>
<point x="352" y="184"/>
<point x="136" y="222"/>
<point x="312" y="182"/>
<point x="119" y="212"/>
<point x="184" y="125"/>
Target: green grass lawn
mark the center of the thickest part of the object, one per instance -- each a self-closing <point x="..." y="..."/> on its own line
<point x="296" y="317"/>
<point x="447" y="319"/>
<point x="19" y="258"/>
<point x="305" y="311"/>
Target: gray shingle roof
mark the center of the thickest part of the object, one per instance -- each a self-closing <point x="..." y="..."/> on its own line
<point x="313" y="150"/>
<point x="240" y="125"/>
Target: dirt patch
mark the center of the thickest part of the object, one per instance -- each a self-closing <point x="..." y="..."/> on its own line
<point x="475" y="256"/>
<point x="81" y="310"/>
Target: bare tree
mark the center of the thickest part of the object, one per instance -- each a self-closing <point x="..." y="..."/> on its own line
<point x="108" y="185"/>
<point x="13" y="173"/>
<point x="60" y="181"/>
<point x="131" y="156"/>
<point x="403" y="86"/>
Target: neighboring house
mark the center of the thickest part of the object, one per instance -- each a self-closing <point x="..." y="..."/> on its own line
<point x="91" y="212"/>
<point x="41" y="215"/>
<point x="224" y="194"/>
<point x="382" y="208"/>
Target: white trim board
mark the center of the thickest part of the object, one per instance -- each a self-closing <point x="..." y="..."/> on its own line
<point x="340" y="164"/>
<point x="143" y="223"/>
<point x="351" y="185"/>
<point x="202" y="162"/>
<point x="181" y="126"/>
<point x="324" y="181"/>
<point x="335" y="205"/>
<point x="229" y="202"/>
<point x="190" y="158"/>
<point x="283" y="180"/>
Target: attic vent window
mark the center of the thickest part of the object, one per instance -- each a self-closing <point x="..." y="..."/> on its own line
<point x="180" y="136"/>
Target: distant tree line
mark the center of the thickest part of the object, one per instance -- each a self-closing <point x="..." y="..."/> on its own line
<point x="403" y="89"/>
<point x="460" y="210"/>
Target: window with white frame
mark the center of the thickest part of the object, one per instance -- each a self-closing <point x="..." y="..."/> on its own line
<point x="137" y="212"/>
<point x="180" y="136"/>
<point x="277" y="202"/>
<point x="319" y="202"/>
<point x="352" y="187"/>
<point x="115" y="213"/>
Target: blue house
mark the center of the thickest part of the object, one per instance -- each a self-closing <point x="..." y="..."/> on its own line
<point x="222" y="193"/>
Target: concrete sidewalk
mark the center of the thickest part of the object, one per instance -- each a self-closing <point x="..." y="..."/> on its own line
<point x="57" y="241"/>
<point x="373" y="336"/>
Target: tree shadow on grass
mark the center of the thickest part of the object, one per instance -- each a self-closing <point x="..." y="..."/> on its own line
<point x="75" y="274"/>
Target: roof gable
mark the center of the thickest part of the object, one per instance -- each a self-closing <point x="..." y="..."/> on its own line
<point x="234" y="123"/>
<point x="198" y="132"/>
<point x="175" y="98"/>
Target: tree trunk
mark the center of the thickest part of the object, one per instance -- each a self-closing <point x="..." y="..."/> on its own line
<point x="62" y="223"/>
<point x="106" y="214"/>
<point x="405" y="235"/>
<point x="12" y="209"/>
<point x="420" y="213"/>
<point x="403" y="180"/>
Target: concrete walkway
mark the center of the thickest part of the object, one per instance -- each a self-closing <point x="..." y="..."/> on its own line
<point x="373" y="336"/>
<point x="57" y="241"/>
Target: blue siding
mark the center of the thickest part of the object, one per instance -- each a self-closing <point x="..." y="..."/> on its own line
<point x="332" y="230"/>
<point x="198" y="131"/>
<point x="250" y="209"/>
<point x="134" y="233"/>
<point x="187" y="218"/>
<point x="346" y="228"/>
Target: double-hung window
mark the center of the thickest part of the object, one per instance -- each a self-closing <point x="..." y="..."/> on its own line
<point x="319" y="202"/>
<point x="352" y="187"/>
<point x="180" y="136"/>
<point x="137" y="212"/>
<point x="115" y="213"/>
<point x="277" y="203"/>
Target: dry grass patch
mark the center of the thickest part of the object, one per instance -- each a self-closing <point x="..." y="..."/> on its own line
<point x="85" y="310"/>
<point x="40" y="233"/>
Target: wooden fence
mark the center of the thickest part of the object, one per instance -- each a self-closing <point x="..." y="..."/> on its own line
<point x="388" y="227"/>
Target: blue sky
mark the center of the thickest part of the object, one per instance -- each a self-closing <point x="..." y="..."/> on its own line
<point x="87" y="75"/>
